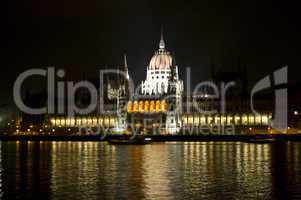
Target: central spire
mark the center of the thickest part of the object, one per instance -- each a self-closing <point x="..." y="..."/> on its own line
<point x="162" y="43"/>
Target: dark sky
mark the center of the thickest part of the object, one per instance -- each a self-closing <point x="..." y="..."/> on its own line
<point x="82" y="36"/>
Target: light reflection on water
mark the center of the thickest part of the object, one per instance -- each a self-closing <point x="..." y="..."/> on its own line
<point x="174" y="170"/>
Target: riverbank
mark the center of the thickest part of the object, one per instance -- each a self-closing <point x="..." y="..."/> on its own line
<point x="157" y="138"/>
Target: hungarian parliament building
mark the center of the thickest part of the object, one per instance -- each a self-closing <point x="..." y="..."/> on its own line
<point x="161" y="106"/>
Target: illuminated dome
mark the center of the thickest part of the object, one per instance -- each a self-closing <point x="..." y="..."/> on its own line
<point x="162" y="58"/>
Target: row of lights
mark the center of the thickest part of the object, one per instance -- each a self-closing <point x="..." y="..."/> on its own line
<point x="40" y="130"/>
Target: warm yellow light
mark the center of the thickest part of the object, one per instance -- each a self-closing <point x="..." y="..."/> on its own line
<point x="203" y="120"/>
<point x="136" y="106"/>
<point x="196" y="120"/>
<point x="223" y="120"/>
<point x="141" y="106"/>
<point x="72" y="122"/>
<point x="130" y="106"/>
<point x="163" y="106"/>
<point x="57" y="122"/>
<point x="237" y="120"/>
<point x="229" y="119"/>
<point x="68" y="122"/>
<point x="112" y="122"/>
<point x="244" y="120"/>
<point x="258" y="119"/>
<point x="158" y="106"/>
<point x="217" y="119"/>
<point x="184" y="119"/>
<point x="251" y="120"/>
<point x="152" y="107"/>
<point x="52" y="122"/>
<point x="100" y="121"/>
<point x="146" y="106"/>
<point x="190" y="120"/>
<point x="106" y="121"/>
<point x="63" y="122"/>
<point x="264" y="120"/>
<point x="209" y="119"/>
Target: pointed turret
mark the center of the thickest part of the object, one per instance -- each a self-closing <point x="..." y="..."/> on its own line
<point x="126" y="70"/>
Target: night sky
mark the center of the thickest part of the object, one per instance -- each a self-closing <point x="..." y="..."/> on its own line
<point x="83" y="36"/>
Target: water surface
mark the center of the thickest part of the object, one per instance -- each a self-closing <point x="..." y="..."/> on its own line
<point x="183" y="170"/>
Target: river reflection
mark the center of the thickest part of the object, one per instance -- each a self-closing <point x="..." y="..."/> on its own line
<point x="182" y="170"/>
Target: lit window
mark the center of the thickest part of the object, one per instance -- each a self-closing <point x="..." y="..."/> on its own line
<point x="68" y="122"/>
<point x="258" y="120"/>
<point x="136" y="106"/>
<point x="237" y="120"/>
<point x="130" y="106"/>
<point x="264" y="120"/>
<point x="94" y="121"/>
<point x="106" y="122"/>
<point x="244" y="120"/>
<point x="72" y="122"/>
<point x="146" y="106"/>
<point x="229" y="119"/>
<point x="251" y="120"/>
<point x="209" y="119"/>
<point x="112" y="122"/>
<point x="158" y="106"/>
<point x="141" y="106"/>
<point x="52" y="122"/>
<point x="100" y="121"/>
<point x="152" y="107"/>
<point x="223" y="120"/>
<point x="217" y="120"/>
<point x="57" y="122"/>
<point x="184" y="119"/>
<point x="196" y="120"/>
